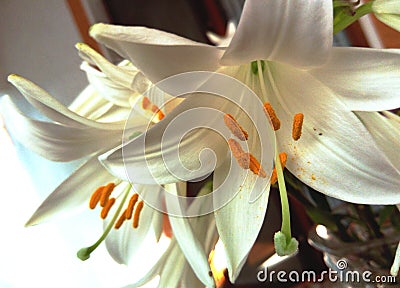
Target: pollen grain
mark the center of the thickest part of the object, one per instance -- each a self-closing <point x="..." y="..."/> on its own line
<point x="95" y="198"/>
<point x="131" y="205"/>
<point x="106" y="208"/>
<point x="255" y="167"/>
<point x="105" y="194"/>
<point x="241" y="157"/>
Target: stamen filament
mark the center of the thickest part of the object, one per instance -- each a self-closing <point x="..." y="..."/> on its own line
<point x="95" y="198"/>
<point x="283" y="159"/>
<point x="235" y="127"/>
<point x="138" y="209"/>
<point x="297" y="126"/>
<point x="84" y="253"/>
<point x="106" y="208"/>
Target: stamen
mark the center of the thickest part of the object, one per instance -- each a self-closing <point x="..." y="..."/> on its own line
<point x="241" y="157"/>
<point x="297" y="126"/>
<point x="107" y="190"/>
<point x="120" y="220"/>
<point x="283" y="159"/>
<point x="138" y="209"/>
<point x="235" y="128"/>
<point x="95" y="198"/>
<point x="270" y="112"/>
<point x="132" y="202"/>
<point x="148" y="105"/>
<point x="255" y="167"/>
<point x="107" y="207"/>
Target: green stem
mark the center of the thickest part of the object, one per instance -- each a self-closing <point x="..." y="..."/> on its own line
<point x="343" y="19"/>
<point x="84" y="253"/>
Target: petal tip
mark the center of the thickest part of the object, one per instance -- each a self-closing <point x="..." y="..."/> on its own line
<point x="96" y="29"/>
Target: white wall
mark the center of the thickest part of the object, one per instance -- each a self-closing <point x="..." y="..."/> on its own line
<point x="37" y="41"/>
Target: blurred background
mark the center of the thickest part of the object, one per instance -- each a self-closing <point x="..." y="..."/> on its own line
<point x="37" y="41"/>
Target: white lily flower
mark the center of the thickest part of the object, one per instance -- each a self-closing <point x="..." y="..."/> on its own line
<point x="388" y="12"/>
<point x="72" y="136"/>
<point x="336" y="154"/>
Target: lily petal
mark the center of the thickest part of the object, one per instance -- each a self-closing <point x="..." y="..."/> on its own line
<point x="54" y="141"/>
<point x="336" y="154"/>
<point x="156" y="53"/>
<point x="140" y="159"/>
<point x="190" y="245"/>
<point x="366" y="79"/>
<point x="122" y="244"/>
<point x="106" y="87"/>
<point x="89" y="104"/>
<point x="50" y="107"/>
<point x="273" y="29"/>
<point x="247" y="214"/>
<point x="73" y="192"/>
<point x="386" y="134"/>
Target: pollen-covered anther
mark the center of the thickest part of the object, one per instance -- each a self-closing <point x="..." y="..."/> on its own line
<point x="131" y="205"/>
<point x="270" y="112"/>
<point x="283" y="159"/>
<point x="235" y="127"/>
<point x="106" y="208"/>
<point x="241" y="157"/>
<point x="95" y="198"/>
<point x="297" y="126"/>
<point x="148" y="105"/>
<point x="255" y="166"/>
<point x="120" y="220"/>
<point x="139" y="207"/>
<point x="105" y="194"/>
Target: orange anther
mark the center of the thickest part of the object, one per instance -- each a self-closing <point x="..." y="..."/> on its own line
<point x="138" y="209"/>
<point x="106" y="208"/>
<point x="95" y="198"/>
<point x="283" y="159"/>
<point x="148" y="105"/>
<point x="120" y="220"/>
<point x="235" y="128"/>
<point x="297" y="126"/>
<point x="241" y="157"/>
<point x="255" y="167"/>
<point x="132" y="202"/>
<point x="105" y="194"/>
<point x="270" y="112"/>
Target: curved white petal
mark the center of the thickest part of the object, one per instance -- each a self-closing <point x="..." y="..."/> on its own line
<point x="294" y="32"/>
<point x="106" y="87"/>
<point x="191" y="247"/>
<point x="73" y="193"/>
<point x="54" y="141"/>
<point x="90" y="104"/>
<point x="122" y="244"/>
<point x="336" y="154"/>
<point x="156" y="53"/>
<point x="366" y="79"/>
<point x="240" y="220"/>
<point x="158" y="156"/>
<point x="386" y="134"/>
<point x="122" y="75"/>
<point x="173" y="269"/>
<point x="50" y="107"/>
